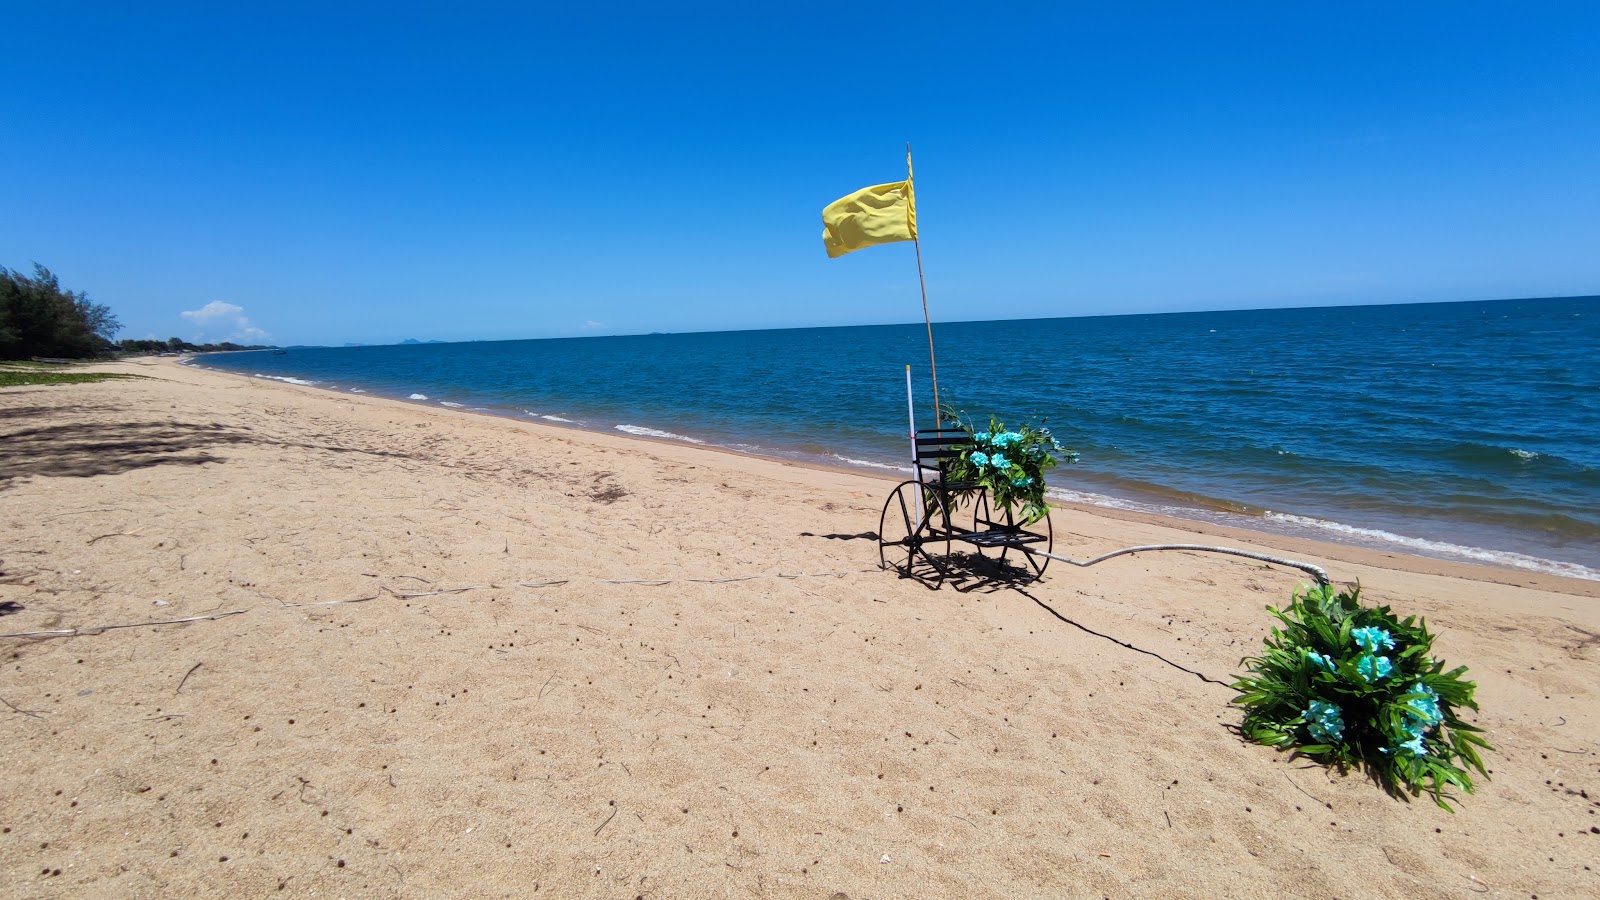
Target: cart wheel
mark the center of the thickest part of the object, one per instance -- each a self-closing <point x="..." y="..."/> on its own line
<point x="903" y="535"/>
<point x="983" y="520"/>
<point x="1039" y="563"/>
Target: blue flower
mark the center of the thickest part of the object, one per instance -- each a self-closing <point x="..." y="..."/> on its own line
<point x="1022" y="482"/>
<point x="1373" y="639"/>
<point x="1006" y="438"/>
<point x="1324" y="721"/>
<point x="1425" y="709"/>
<point x="1374" y="668"/>
<point x="979" y="458"/>
<point x="1414" y="746"/>
<point x="981" y="436"/>
<point x="999" y="461"/>
<point x="1323" y="661"/>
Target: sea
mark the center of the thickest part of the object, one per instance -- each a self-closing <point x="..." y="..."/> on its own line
<point x="1462" y="431"/>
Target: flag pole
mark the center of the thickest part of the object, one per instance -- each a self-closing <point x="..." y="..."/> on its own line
<point x="933" y="362"/>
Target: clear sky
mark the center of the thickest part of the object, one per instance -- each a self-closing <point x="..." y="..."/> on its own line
<point x="464" y="171"/>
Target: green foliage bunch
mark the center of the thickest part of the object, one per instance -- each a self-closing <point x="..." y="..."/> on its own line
<point x="1011" y="464"/>
<point x="39" y="318"/>
<point x="1351" y="685"/>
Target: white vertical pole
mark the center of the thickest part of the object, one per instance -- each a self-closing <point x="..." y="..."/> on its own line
<point x="911" y="421"/>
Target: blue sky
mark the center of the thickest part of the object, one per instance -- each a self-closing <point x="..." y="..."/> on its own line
<point x="382" y="172"/>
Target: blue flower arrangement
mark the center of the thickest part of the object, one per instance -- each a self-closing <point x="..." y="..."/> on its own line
<point x="1010" y="464"/>
<point x="1351" y="685"/>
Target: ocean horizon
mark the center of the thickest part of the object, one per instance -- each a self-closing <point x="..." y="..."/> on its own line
<point x="1461" y="431"/>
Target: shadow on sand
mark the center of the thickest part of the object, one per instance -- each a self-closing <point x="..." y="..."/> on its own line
<point x="84" y="450"/>
<point x="965" y="572"/>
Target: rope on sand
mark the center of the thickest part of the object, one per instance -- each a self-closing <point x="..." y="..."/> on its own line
<point x="1314" y="571"/>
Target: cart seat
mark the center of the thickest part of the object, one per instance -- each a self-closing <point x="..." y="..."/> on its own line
<point x="936" y="450"/>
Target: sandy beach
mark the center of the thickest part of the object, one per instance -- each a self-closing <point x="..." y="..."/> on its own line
<point x="456" y="655"/>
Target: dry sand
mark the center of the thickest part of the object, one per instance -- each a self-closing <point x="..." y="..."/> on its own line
<point x="841" y="734"/>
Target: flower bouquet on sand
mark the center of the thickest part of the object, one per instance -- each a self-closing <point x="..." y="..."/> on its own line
<point x="1010" y="464"/>
<point x="1350" y="685"/>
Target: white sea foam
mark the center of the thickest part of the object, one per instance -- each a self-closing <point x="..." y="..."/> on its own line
<point x="452" y="405"/>
<point x="284" y="378"/>
<point x="358" y="390"/>
<point x="418" y="397"/>
<point x="1524" y="454"/>
<point x="642" y="431"/>
<point x="1089" y="499"/>
<point x="1441" y="548"/>
<point x="869" y="464"/>
<point x="557" y="419"/>
<point x="1326" y="530"/>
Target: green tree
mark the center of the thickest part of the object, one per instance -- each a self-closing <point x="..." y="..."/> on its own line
<point x="38" y="318"/>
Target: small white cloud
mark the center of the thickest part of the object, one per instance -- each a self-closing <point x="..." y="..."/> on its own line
<point x="591" y="325"/>
<point x="216" y="309"/>
<point x="227" y="319"/>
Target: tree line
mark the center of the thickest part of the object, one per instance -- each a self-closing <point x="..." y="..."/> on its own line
<point x="178" y="345"/>
<point x="39" y="318"/>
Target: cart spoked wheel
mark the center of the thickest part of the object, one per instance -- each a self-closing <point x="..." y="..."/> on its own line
<point x="1008" y="538"/>
<point x="904" y="534"/>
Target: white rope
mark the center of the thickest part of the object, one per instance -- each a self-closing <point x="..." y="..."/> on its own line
<point x="1314" y="571"/>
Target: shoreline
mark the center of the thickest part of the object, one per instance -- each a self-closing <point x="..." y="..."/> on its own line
<point x="1399" y="553"/>
<point x="461" y="652"/>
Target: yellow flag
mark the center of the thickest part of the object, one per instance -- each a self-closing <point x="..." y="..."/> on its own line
<point x="881" y="214"/>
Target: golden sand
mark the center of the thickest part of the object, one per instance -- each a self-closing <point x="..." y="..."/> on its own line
<point x="437" y="685"/>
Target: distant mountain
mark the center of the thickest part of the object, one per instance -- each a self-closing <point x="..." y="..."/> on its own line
<point x="415" y="341"/>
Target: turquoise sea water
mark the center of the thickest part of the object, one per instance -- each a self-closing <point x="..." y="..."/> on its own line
<point x="1457" y="430"/>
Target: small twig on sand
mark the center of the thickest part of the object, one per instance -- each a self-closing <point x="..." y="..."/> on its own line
<point x="546" y="684"/>
<point x="1302" y="790"/>
<point x="185" y="679"/>
<point x="116" y="534"/>
<point x="26" y="712"/>
<point x="606" y="822"/>
<point x="432" y="593"/>
<point x="96" y="629"/>
<point x="330" y="602"/>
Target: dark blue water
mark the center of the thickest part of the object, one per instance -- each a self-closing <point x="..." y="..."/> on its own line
<point x="1460" y="430"/>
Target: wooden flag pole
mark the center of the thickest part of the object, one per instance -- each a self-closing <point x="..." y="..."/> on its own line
<point x="933" y="362"/>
